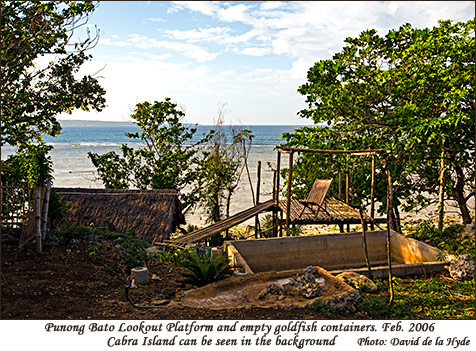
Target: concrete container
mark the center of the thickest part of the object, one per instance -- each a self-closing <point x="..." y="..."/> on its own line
<point x="335" y="253"/>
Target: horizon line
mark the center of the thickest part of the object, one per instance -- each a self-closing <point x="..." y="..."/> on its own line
<point x="131" y="122"/>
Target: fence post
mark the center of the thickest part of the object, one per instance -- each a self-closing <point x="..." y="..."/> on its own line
<point x="46" y="204"/>
<point x="288" y="201"/>
<point x="258" y="176"/>
<point x="38" y="219"/>
<point x="275" y="212"/>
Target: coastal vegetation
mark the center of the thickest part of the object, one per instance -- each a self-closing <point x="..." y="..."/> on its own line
<point x="206" y="172"/>
<point x="409" y="93"/>
<point x="168" y="159"/>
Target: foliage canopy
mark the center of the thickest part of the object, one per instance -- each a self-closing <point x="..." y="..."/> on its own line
<point x="40" y="65"/>
<point x="168" y="160"/>
<point x="410" y="93"/>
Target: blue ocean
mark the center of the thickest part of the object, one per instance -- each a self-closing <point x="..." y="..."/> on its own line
<point x="73" y="168"/>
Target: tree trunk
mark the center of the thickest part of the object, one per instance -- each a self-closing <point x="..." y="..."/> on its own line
<point x="458" y="192"/>
<point x="228" y="203"/>
<point x="396" y="221"/>
<point x="216" y="209"/>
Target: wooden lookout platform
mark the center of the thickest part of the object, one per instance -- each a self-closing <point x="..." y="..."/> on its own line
<point x="319" y="208"/>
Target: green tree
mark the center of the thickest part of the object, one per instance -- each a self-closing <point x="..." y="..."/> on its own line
<point x="39" y="67"/>
<point x="168" y="159"/>
<point x="31" y="164"/>
<point x="410" y="93"/>
<point x="223" y="159"/>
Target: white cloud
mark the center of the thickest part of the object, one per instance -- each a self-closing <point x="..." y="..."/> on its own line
<point x="207" y="8"/>
<point x="146" y="43"/>
<point x="155" y="19"/>
<point x="200" y="34"/>
<point x="301" y="33"/>
<point x="272" y="5"/>
<point x="236" y="13"/>
<point x="256" y="51"/>
<point x="313" y="28"/>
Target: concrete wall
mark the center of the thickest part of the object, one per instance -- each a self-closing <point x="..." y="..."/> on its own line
<point x="329" y="251"/>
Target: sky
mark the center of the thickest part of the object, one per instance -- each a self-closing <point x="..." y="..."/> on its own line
<point x="248" y="56"/>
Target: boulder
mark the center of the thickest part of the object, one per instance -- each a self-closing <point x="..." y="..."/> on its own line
<point x="462" y="268"/>
<point x="358" y="281"/>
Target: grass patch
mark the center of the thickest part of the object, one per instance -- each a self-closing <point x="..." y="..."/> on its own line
<point x="434" y="297"/>
<point x="437" y="297"/>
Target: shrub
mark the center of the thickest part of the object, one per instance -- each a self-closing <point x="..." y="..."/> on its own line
<point x="451" y="239"/>
<point x="205" y="270"/>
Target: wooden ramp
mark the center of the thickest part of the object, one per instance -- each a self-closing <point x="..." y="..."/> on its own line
<point x="222" y="225"/>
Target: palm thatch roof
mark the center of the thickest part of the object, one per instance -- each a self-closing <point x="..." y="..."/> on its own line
<point x="152" y="214"/>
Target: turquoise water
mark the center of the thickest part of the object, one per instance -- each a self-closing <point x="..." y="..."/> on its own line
<point x="72" y="167"/>
<point x="114" y="134"/>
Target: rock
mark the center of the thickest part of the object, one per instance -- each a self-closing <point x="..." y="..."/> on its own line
<point x="358" y="281"/>
<point x="153" y="249"/>
<point x="348" y="303"/>
<point x="271" y="290"/>
<point x="462" y="268"/>
<point x="469" y="228"/>
<point x="306" y="284"/>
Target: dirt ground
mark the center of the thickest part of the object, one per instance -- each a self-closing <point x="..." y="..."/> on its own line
<point x="67" y="282"/>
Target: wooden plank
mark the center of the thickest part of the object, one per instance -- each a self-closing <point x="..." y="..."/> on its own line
<point x="220" y="226"/>
<point x="287" y="149"/>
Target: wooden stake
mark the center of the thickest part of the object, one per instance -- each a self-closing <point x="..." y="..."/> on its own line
<point x="275" y="214"/>
<point x="290" y="180"/>
<point x="372" y="193"/>
<point x="45" y="210"/>
<point x="38" y="219"/>
<point x="347" y="193"/>
<point x="340" y="185"/>
<point x="364" y="238"/>
<point x="278" y="169"/>
<point x="258" y="181"/>
<point x="281" y="223"/>
<point x="389" y="226"/>
<point x="441" y="193"/>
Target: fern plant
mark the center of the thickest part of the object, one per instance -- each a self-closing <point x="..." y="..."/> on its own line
<point x="204" y="270"/>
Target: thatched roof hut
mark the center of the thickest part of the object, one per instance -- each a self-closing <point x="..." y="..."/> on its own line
<point x="152" y="214"/>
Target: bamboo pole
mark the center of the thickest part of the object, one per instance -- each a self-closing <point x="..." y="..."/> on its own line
<point x="441" y="193"/>
<point x="275" y="214"/>
<point x="45" y="209"/>
<point x="372" y="193"/>
<point x="287" y="149"/>
<point x="347" y="192"/>
<point x="38" y="219"/>
<point x="389" y="226"/>
<point x="290" y="179"/>
<point x="364" y="239"/>
<point x="281" y="223"/>
<point x="340" y="185"/>
<point x="258" y="181"/>
<point x="278" y="169"/>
